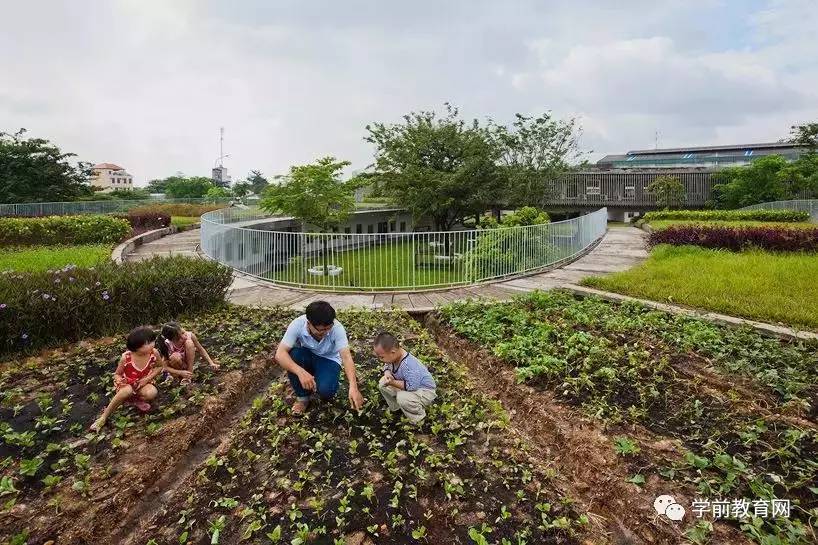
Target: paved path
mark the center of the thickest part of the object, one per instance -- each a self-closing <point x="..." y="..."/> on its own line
<point x="620" y="249"/>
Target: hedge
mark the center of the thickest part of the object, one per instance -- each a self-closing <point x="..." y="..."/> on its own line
<point x="38" y="309"/>
<point x="175" y="210"/>
<point x="728" y="215"/>
<point x="146" y="221"/>
<point x="51" y="230"/>
<point x="780" y="239"/>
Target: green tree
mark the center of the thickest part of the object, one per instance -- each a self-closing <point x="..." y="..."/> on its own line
<point x="257" y="181"/>
<point x="436" y="166"/>
<point x="130" y="194"/>
<point x="241" y="189"/>
<point x="35" y="170"/>
<point x="668" y="190"/>
<point x="315" y="194"/>
<point x="806" y="135"/>
<point x="533" y="153"/>
<point x="216" y="193"/>
<point x="188" y="188"/>
<point x="758" y="182"/>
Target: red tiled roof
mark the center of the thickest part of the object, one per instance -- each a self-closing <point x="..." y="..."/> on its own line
<point x="110" y="166"/>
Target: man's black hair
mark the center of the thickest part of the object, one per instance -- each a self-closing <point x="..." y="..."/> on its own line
<point x="387" y="341"/>
<point x="139" y="337"/>
<point x="320" y="313"/>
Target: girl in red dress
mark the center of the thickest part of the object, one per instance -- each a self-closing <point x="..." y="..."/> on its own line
<point x="178" y="347"/>
<point x="133" y="378"/>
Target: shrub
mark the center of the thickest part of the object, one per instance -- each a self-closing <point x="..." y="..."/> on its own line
<point x="72" y="303"/>
<point x="728" y="215"/>
<point x="146" y="221"/>
<point x="87" y="229"/>
<point x="738" y="238"/>
<point x="175" y="210"/>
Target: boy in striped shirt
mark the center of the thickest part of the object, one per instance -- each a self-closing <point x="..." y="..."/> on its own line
<point x="406" y="385"/>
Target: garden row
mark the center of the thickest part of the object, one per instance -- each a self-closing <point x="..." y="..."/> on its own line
<point x="789" y="216"/>
<point x="58" y="480"/>
<point x="742" y="408"/>
<point x="779" y="239"/>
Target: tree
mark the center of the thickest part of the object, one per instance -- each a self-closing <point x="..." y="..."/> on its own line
<point x="315" y="194"/>
<point x="805" y="135"/>
<point x="193" y="187"/>
<point x="34" y="170"/>
<point x="758" y="182"/>
<point x="130" y="194"/>
<point x="668" y="190"/>
<point x="257" y="181"/>
<point x="241" y="189"/>
<point x="534" y="152"/>
<point x="436" y="166"/>
<point x="216" y="193"/>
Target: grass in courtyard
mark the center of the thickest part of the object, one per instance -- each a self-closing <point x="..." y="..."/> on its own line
<point x="43" y="258"/>
<point x="664" y="224"/>
<point x="387" y="265"/>
<point x="764" y="286"/>
<point x="184" y="221"/>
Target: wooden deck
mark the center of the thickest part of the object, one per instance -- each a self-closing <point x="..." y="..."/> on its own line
<point x="620" y="249"/>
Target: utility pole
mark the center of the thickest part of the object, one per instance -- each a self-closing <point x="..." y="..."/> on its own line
<point x="221" y="146"/>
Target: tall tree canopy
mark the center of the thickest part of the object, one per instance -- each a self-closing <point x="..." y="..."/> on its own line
<point x="257" y="182"/>
<point x="534" y="152"/>
<point x="35" y="170"/>
<point x="437" y="166"/>
<point x="805" y="134"/>
<point x="188" y="188"/>
<point x="313" y="193"/>
<point x="770" y="178"/>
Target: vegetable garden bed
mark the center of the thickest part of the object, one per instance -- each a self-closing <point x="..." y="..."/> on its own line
<point x="699" y="409"/>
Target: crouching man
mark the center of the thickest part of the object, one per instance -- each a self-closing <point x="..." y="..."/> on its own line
<point x="406" y="384"/>
<point x="313" y="351"/>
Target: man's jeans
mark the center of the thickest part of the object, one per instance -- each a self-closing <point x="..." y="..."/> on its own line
<point x="326" y="372"/>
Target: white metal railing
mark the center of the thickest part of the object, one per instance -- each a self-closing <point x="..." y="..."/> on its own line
<point x="801" y="205"/>
<point x="392" y="261"/>
<point x="72" y="208"/>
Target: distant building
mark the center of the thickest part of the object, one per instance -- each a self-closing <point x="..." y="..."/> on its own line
<point x="220" y="177"/>
<point x="109" y="177"/>
<point x="700" y="157"/>
<point x="620" y="182"/>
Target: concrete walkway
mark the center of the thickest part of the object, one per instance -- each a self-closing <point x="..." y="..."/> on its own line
<point x="620" y="249"/>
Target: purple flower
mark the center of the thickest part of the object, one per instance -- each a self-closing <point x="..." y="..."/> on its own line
<point x="46" y="296"/>
<point x="105" y="295"/>
<point x="24" y="336"/>
<point x="71" y="279"/>
<point x="97" y="284"/>
<point x="56" y="280"/>
<point x="2" y="306"/>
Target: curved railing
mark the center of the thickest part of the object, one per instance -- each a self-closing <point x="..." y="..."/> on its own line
<point x="72" y="208"/>
<point x="801" y="205"/>
<point x="257" y="244"/>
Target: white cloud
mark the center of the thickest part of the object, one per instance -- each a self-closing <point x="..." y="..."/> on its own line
<point x="147" y="84"/>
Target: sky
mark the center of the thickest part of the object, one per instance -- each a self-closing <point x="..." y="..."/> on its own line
<point x="146" y="84"/>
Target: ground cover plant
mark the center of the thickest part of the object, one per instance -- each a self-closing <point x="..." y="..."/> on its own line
<point x="174" y="210"/>
<point x="728" y="215"/>
<point x="72" y="303"/>
<point x="339" y="477"/>
<point x="656" y="225"/>
<point x="775" y="239"/>
<point x="60" y="481"/>
<point x="766" y="286"/>
<point x="743" y="406"/>
<point x="43" y="258"/>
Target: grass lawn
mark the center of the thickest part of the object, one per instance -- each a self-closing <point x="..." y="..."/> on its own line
<point x="663" y="224"/>
<point x="387" y="265"/>
<point x="183" y="221"/>
<point x="42" y="258"/>
<point x="772" y="287"/>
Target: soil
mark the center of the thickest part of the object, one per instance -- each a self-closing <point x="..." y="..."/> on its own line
<point x="580" y="450"/>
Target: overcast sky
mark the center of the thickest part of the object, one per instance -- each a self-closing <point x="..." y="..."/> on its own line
<point x="147" y="84"/>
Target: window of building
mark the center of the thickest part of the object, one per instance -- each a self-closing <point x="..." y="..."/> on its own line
<point x="347" y="230"/>
<point x="359" y="229"/>
<point x="370" y="228"/>
<point x="402" y="226"/>
<point x="592" y="188"/>
<point x="392" y="225"/>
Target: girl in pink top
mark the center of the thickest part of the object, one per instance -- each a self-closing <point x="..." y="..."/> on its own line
<point x="179" y="348"/>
